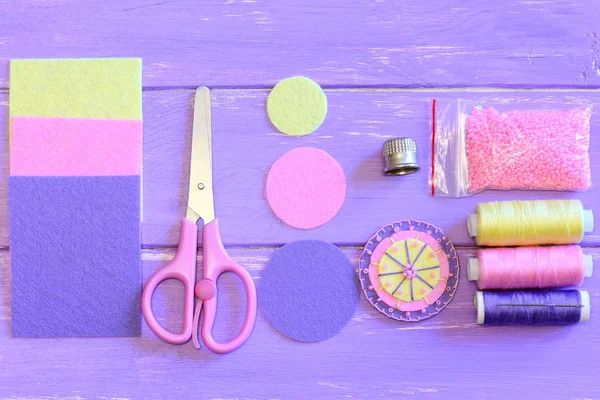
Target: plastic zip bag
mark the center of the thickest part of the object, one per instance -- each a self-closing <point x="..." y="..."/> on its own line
<point x="477" y="147"/>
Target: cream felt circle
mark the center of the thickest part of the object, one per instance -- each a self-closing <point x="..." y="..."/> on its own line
<point x="297" y="106"/>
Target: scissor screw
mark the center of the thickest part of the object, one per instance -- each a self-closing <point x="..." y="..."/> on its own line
<point x="201" y="186"/>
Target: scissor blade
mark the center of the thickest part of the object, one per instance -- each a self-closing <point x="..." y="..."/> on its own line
<point x="200" y="196"/>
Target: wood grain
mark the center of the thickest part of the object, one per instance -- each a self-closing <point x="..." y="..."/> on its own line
<point x="446" y="357"/>
<point x="362" y="51"/>
<point x="339" y="43"/>
<point x="245" y="146"/>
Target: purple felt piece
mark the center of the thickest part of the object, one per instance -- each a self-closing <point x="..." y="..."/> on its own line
<point x="75" y="251"/>
<point x="308" y="290"/>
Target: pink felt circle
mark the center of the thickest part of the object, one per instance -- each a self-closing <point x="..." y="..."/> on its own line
<point x="306" y="187"/>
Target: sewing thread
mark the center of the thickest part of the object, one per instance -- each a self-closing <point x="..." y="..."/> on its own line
<point x="526" y="223"/>
<point x="530" y="267"/>
<point x="545" y="307"/>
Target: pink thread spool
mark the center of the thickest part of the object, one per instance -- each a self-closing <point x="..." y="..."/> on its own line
<point x="530" y="267"/>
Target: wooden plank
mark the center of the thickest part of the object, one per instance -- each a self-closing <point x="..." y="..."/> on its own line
<point x="445" y="357"/>
<point x="358" y="122"/>
<point x="374" y="43"/>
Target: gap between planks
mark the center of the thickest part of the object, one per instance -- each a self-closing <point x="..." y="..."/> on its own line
<point x="366" y="89"/>
<point x="257" y="247"/>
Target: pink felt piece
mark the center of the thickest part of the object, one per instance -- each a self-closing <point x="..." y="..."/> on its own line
<point x="75" y="147"/>
<point x="306" y="187"/>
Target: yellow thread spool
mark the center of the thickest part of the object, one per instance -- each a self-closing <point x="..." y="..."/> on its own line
<point x="533" y="222"/>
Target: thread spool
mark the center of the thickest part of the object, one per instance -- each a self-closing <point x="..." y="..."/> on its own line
<point x="527" y="223"/>
<point x="544" y="307"/>
<point x="530" y="267"/>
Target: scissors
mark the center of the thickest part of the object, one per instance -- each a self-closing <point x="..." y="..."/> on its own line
<point x="215" y="260"/>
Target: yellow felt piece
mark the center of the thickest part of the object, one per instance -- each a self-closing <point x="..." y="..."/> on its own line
<point x="297" y="106"/>
<point x="391" y="271"/>
<point x="108" y="88"/>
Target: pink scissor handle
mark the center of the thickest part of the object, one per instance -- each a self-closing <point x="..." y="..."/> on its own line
<point x="216" y="261"/>
<point x="182" y="268"/>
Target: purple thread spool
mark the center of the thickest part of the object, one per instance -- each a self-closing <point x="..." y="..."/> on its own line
<point x="543" y="307"/>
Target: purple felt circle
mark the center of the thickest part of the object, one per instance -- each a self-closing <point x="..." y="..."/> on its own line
<point x="308" y="290"/>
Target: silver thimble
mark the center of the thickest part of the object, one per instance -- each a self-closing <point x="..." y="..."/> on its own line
<point x="400" y="156"/>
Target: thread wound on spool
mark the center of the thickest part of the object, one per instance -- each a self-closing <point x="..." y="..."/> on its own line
<point x="546" y="307"/>
<point x="529" y="267"/>
<point x="525" y="223"/>
<point x="588" y="265"/>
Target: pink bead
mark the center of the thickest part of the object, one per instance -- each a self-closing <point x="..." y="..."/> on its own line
<point x="528" y="149"/>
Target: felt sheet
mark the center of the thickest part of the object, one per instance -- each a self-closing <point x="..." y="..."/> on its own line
<point x="308" y="290"/>
<point x="75" y="252"/>
<point x="76" y="88"/>
<point x="75" y="147"/>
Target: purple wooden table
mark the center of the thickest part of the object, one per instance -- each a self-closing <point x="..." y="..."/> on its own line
<point x="381" y="63"/>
